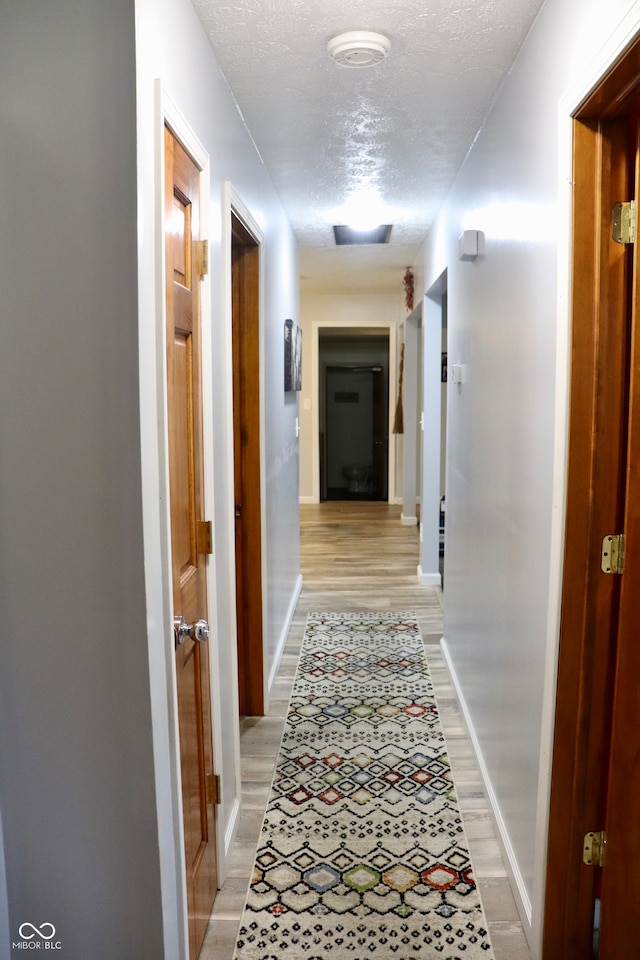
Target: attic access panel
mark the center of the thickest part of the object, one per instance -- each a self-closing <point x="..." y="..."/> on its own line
<point x="347" y="235"/>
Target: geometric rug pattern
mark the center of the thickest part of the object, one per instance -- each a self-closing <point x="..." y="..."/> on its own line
<point x="362" y="851"/>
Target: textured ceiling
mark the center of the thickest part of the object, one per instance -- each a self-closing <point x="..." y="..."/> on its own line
<point x="400" y="129"/>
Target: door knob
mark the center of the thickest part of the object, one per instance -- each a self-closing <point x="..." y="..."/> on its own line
<point x="201" y="631"/>
<point x="198" y="631"/>
<point x="181" y="630"/>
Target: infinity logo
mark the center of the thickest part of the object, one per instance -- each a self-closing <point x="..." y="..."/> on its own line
<point x="37" y="931"/>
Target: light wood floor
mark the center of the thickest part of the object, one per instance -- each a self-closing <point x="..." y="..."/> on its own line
<point x="357" y="556"/>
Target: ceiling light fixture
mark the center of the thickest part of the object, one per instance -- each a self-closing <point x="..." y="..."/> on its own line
<point x="363" y="210"/>
<point x="358" y="48"/>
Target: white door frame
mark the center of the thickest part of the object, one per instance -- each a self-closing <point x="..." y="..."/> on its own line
<point x="429" y="568"/>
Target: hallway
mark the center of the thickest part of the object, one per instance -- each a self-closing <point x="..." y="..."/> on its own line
<point x="358" y="557"/>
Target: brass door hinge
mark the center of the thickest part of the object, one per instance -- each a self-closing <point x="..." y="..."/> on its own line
<point x="204" y="533"/>
<point x="624" y="222"/>
<point x="202" y="257"/>
<point x="214" y="789"/>
<point x="612" y="559"/>
<point x="593" y="848"/>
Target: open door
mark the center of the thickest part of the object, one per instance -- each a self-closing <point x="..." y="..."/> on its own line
<point x="591" y="908"/>
<point x="188" y="545"/>
<point x="620" y="882"/>
<point x="245" y="269"/>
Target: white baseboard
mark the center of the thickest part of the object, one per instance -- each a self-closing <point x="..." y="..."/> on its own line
<point x="224" y="848"/>
<point x="234" y="817"/>
<point x="429" y="579"/>
<point x="408" y="521"/>
<point x="285" y="630"/>
<point x="232" y="826"/>
<point x="307" y="500"/>
<point x="521" y="896"/>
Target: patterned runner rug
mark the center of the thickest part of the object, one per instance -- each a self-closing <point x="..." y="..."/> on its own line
<point x="362" y="851"/>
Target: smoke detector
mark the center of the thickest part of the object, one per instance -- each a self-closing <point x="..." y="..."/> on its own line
<point x="358" y="48"/>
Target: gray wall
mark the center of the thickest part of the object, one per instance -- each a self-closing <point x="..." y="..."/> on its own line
<point x="76" y="773"/>
<point x="88" y="766"/>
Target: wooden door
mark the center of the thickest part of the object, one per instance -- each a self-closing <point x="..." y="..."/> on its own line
<point x="184" y="399"/>
<point x="245" y="261"/>
<point x="620" y="881"/>
<point x="596" y="773"/>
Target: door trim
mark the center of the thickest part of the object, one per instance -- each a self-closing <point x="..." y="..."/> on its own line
<point x="234" y="205"/>
<point x="587" y="79"/>
<point x="382" y="325"/>
<point x="413" y="329"/>
<point x="434" y="400"/>
<point x="158" y="541"/>
<point x="595" y="467"/>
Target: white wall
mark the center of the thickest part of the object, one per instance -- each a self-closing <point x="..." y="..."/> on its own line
<point x="191" y="81"/>
<point x="504" y="327"/>
<point x="88" y="769"/>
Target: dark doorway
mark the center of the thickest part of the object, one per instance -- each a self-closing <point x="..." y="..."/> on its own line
<point x="354" y="406"/>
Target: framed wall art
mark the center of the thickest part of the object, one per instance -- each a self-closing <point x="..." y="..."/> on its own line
<point x="292" y="356"/>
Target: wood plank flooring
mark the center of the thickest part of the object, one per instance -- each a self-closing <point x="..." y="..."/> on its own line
<point x="358" y="556"/>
